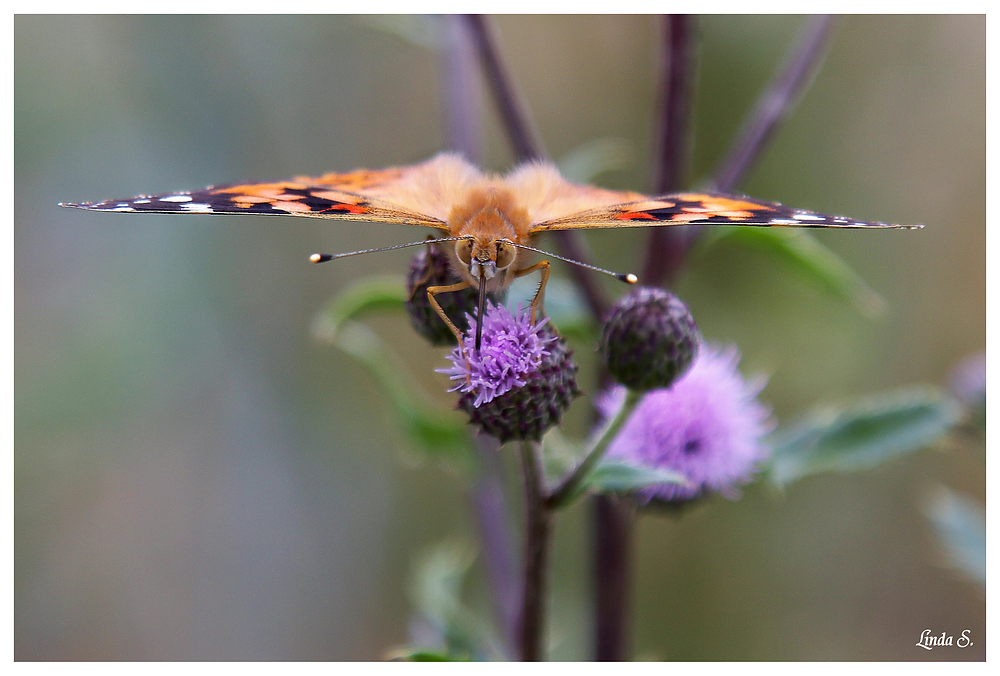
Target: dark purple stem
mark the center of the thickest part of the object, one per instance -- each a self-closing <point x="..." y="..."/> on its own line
<point x="537" y="520"/>
<point x="777" y="101"/>
<point x="528" y="146"/>
<point x="462" y="92"/>
<point x="493" y="519"/>
<point x="612" y="556"/>
<point x="666" y="251"/>
<point x="512" y="106"/>
<point x="667" y="246"/>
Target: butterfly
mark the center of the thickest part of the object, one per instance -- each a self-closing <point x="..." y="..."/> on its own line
<point x="490" y="219"/>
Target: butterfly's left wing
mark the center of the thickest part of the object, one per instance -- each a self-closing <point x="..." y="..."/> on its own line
<point x="701" y="208"/>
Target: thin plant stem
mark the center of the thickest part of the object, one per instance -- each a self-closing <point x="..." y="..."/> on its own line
<point x="527" y="143"/>
<point x="570" y="485"/>
<point x="536" y="554"/>
<point x="667" y="246"/>
<point x="777" y="101"/>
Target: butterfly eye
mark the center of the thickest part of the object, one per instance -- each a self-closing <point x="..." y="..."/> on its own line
<point x="505" y="254"/>
<point x="463" y="248"/>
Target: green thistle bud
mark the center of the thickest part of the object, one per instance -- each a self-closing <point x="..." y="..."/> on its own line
<point x="649" y="339"/>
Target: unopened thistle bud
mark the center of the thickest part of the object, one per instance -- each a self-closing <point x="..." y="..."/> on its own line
<point x="649" y="339"/>
<point x="432" y="267"/>
<point x="521" y="380"/>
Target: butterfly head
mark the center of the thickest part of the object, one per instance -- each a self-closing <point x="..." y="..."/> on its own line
<point x="486" y="259"/>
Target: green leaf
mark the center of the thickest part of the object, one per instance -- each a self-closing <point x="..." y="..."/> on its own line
<point x="614" y="476"/>
<point x="436" y="592"/>
<point x="811" y="261"/>
<point x="863" y="435"/>
<point x="440" y="434"/>
<point x="421" y="655"/>
<point x="421" y="30"/>
<point x="961" y="527"/>
<point x="368" y="294"/>
<point x="591" y="159"/>
<point x="563" y="304"/>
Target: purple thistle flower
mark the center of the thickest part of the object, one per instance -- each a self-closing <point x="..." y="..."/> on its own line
<point x="511" y="351"/>
<point x="708" y="426"/>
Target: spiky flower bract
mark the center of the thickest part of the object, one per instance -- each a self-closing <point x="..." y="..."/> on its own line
<point x="709" y="427"/>
<point x="521" y="380"/>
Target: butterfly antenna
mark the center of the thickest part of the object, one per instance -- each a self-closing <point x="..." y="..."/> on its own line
<point x="323" y="258"/>
<point x="628" y="278"/>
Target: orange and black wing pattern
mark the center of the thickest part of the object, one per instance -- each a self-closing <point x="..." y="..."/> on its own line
<point x="693" y="208"/>
<point x="337" y="196"/>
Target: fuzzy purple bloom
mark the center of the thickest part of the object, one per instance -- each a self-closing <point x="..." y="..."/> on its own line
<point x="708" y="426"/>
<point x="511" y="351"/>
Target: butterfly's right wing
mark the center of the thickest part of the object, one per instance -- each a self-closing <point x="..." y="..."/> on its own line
<point x="413" y="195"/>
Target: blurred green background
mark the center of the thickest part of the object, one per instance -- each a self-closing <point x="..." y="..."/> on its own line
<point x="196" y="478"/>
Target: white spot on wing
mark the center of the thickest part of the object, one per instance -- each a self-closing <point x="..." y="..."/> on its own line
<point x="783" y="221"/>
<point x="124" y="208"/>
<point x="197" y="206"/>
<point x="808" y="217"/>
<point x="140" y="201"/>
<point x="176" y="198"/>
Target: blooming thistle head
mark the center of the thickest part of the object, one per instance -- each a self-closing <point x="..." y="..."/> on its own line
<point x="521" y="380"/>
<point x="708" y="427"/>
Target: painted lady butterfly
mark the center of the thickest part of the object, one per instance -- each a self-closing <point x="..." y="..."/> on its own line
<point x="491" y="219"/>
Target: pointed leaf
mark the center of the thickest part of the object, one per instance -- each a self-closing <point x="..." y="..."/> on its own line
<point x="961" y="527"/>
<point x="614" y="476"/>
<point x="422" y="30"/>
<point x="591" y="159"/>
<point x="436" y="592"/>
<point x="366" y="295"/>
<point x="439" y="434"/>
<point x="863" y="435"/>
<point x="810" y="260"/>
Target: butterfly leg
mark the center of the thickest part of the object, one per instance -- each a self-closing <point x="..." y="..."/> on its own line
<point x="433" y="291"/>
<point x="539" y="299"/>
<point x="429" y="272"/>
